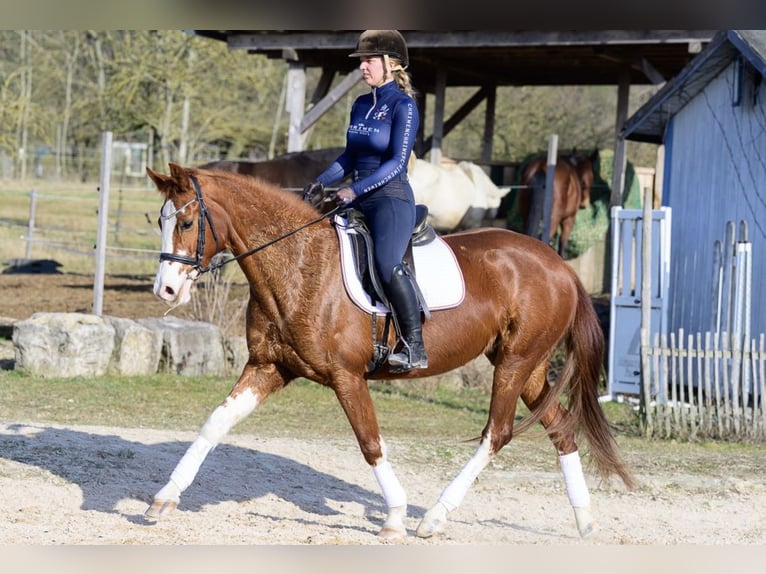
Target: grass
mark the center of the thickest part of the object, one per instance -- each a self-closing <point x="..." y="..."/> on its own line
<point x="66" y="222"/>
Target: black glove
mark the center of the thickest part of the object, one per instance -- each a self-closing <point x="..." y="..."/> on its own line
<point x="313" y="193"/>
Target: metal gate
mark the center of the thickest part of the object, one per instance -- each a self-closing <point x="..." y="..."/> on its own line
<point x="624" y="374"/>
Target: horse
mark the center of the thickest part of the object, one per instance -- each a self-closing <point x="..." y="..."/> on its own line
<point x="584" y="163"/>
<point x="521" y="301"/>
<point x="567" y="198"/>
<point x="291" y="171"/>
<point x="459" y="194"/>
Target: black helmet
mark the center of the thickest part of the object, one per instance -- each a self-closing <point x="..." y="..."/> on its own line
<point x="379" y="42"/>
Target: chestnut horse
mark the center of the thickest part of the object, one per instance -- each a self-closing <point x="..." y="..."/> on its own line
<point x="571" y="191"/>
<point x="521" y="300"/>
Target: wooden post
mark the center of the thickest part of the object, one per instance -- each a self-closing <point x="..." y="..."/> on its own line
<point x="489" y="125"/>
<point x="646" y="304"/>
<point x="103" y="219"/>
<point x="438" y="133"/>
<point x="618" y="169"/>
<point x="296" y="101"/>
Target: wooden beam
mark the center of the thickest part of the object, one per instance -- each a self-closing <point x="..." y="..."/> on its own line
<point x="460" y="114"/>
<point x="323" y="105"/>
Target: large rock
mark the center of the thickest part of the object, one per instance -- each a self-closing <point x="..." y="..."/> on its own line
<point x="137" y="348"/>
<point x="63" y="345"/>
<point x="189" y="347"/>
<point x="237" y="354"/>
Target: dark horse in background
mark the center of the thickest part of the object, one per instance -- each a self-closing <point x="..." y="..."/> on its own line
<point x="291" y="171"/>
<point x="521" y="302"/>
<point x="572" y="182"/>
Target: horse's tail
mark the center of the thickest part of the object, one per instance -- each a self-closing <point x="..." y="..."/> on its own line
<point x="583" y="368"/>
<point x="579" y="380"/>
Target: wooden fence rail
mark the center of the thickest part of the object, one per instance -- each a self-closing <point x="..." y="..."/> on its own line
<point x="709" y="386"/>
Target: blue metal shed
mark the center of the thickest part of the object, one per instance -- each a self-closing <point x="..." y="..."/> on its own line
<point x="711" y="118"/>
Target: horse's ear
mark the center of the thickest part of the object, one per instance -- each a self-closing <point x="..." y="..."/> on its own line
<point x="159" y="179"/>
<point x="177" y="171"/>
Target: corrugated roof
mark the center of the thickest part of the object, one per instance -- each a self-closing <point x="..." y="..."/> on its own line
<point x="649" y="123"/>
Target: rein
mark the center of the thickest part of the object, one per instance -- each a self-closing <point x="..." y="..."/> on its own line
<point x="204" y="215"/>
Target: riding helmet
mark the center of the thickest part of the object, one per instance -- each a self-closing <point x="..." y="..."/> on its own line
<point x="379" y="42"/>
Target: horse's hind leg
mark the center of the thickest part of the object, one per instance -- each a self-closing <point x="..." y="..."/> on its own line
<point x="252" y="388"/>
<point x="569" y="458"/>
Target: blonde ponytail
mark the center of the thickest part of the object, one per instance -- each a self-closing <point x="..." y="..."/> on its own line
<point x="400" y="75"/>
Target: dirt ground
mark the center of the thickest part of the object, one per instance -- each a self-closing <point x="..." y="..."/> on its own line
<point x="89" y="485"/>
<point x="26" y="293"/>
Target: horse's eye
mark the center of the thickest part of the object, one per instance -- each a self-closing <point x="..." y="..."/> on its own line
<point x="185" y="225"/>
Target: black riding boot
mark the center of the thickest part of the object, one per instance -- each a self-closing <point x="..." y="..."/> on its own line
<point x="404" y="300"/>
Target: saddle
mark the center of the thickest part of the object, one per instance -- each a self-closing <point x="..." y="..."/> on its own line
<point x="363" y="249"/>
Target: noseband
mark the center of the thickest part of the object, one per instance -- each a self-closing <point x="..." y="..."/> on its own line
<point x="204" y="215"/>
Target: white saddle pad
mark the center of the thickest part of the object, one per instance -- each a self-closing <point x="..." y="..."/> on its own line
<point x="439" y="276"/>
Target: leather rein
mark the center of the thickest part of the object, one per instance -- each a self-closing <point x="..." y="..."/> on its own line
<point x="204" y="216"/>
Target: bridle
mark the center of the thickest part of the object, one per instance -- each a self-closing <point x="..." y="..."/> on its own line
<point x="204" y="216"/>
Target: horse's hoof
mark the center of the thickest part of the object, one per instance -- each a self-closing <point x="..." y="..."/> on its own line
<point x="392" y="533"/>
<point x="433" y="522"/>
<point x="589" y="530"/>
<point x="393" y="527"/>
<point x="586" y="526"/>
<point x="159" y="509"/>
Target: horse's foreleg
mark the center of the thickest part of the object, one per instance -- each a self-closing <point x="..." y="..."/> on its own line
<point x="393" y="494"/>
<point x="357" y="404"/>
<point x="567" y="224"/>
<point x="240" y="402"/>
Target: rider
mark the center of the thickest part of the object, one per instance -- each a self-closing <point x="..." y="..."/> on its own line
<point x="379" y="142"/>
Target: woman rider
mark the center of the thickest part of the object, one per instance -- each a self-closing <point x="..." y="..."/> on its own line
<point x="379" y="142"/>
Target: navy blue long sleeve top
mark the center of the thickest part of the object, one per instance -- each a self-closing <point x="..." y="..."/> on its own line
<point x="379" y="139"/>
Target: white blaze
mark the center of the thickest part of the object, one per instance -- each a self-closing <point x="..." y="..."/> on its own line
<point x="172" y="282"/>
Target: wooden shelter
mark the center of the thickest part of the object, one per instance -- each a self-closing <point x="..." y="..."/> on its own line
<point x="474" y="58"/>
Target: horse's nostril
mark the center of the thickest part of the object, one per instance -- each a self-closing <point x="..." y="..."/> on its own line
<point x="170" y="291"/>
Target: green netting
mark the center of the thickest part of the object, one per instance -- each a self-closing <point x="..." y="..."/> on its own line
<point x="592" y="223"/>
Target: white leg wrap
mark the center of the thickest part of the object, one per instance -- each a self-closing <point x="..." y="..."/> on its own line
<point x="169" y="492"/>
<point x="453" y="495"/>
<point x="577" y="489"/>
<point x="220" y="422"/>
<point x="188" y="466"/>
<point x="392" y="489"/>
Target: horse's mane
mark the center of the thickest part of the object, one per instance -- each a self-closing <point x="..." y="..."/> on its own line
<point x="277" y="197"/>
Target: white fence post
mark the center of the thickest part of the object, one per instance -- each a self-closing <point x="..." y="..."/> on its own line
<point x="103" y="219"/>
<point x="31" y="223"/>
<point x="550" y="174"/>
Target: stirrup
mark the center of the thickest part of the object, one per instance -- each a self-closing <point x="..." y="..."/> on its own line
<point x="402" y="361"/>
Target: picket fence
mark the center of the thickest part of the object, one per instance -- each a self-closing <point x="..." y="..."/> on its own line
<point x="704" y="386"/>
